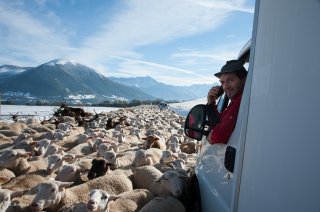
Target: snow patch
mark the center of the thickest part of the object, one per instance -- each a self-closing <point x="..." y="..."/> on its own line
<point x="78" y="97"/>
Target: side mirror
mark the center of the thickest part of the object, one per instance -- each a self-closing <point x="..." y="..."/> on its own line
<point x="196" y="124"/>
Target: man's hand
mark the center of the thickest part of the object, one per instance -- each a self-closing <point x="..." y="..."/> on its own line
<point x="213" y="94"/>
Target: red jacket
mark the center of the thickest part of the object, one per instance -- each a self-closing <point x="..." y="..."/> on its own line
<point x="228" y="118"/>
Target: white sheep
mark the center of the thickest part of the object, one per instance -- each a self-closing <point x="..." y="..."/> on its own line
<point x="15" y="161"/>
<point x="144" y="177"/>
<point x="52" y="195"/>
<point x="117" y="160"/>
<point x="5" y="174"/>
<point x="128" y="139"/>
<point x="6" y="196"/>
<point x="147" y="157"/>
<point x="54" y="149"/>
<point x="163" y="204"/>
<point x="69" y="173"/>
<point x="102" y="149"/>
<point x="55" y="162"/>
<point x="169" y="183"/>
<point x="154" y="141"/>
<point x="101" y="201"/>
<point x="167" y="157"/>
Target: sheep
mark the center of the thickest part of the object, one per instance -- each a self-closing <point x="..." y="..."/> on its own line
<point x="52" y="195"/>
<point x="53" y="149"/>
<point x="21" y="137"/>
<point x="42" y="146"/>
<point x="81" y="149"/>
<point x="100" y="167"/>
<point x="134" y="200"/>
<point x="144" y="177"/>
<point x="6" y="173"/>
<point x="6" y="196"/>
<point x="15" y="127"/>
<point x="163" y="204"/>
<point x="83" y="138"/>
<point x="5" y="142"/>
<point x="27" y="181"/>
<point x="116" y="160"/>
<point x="76" y="207"/>
<point x="102" y="149"/>
<point x="147" y="157"/>
<point x="129" y="139"/>
<point x="154" y="141"/>
<point x="188" y="147"/>
<point x="167" y="157"/>
<point x="178" y="164"/>
<point x="173" y="143"/>
<point x="169" y="183"/>
<point x="70" y="173"/>
<point x="55" y="162"/>
<point x="15" y="161"/>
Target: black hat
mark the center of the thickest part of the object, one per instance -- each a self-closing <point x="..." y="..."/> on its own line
<point x="232" y="66"/>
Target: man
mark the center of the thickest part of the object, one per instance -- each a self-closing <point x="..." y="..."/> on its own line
<point x="232" y="78"/>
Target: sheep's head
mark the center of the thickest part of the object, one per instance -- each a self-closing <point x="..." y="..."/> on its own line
<point x="99" y="199"/>
<point x="167" y="157"/>
<point x="68" y="173"/>
<point x="99" y="168"/>
<point x="172" y="183"/>
<point x="10" y="158"/>
<point x="140" y="158"/>
<point x="49" y="194"/>
<point x="6" y="196"/>
<point x="55" y="162"/>
<point x="110" y="156"/>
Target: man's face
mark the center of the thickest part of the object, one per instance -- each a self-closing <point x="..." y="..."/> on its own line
<point x="231" y="84"/>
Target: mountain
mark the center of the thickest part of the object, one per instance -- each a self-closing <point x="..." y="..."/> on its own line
<point x="65" y="79"/>
<point x="7" y="71"/>
<point x="163" y="91"/>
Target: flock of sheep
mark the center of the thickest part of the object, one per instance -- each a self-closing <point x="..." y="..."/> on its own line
<point x="133" y="159"/>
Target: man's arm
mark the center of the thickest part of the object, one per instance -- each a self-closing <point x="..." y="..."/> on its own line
<point x="223" y="130"/>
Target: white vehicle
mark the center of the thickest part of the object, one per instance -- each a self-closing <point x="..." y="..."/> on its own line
<point x="163" y="105"/>
<point x="270" y="162"/>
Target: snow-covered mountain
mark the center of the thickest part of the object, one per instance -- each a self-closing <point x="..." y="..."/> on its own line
<point x="163" y="91"/>
<point x="64" y="79"/>
<point x="7" y="71"/>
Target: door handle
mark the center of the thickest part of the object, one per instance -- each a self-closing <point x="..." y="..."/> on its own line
<point x="229" y="158"/>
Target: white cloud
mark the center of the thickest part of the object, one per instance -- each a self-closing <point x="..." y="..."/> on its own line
<point x="141" y="23"/>
<point x="149" y="22"/>
<point x="26" y="37"/>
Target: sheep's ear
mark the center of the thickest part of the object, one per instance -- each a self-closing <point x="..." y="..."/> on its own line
<point x="183" y="177"/>
<point x="120" y="155"/>
<point x="24" y="154"/>
<point x="18" y="193"/>
<point x="160" y="178"/>
<point x="108" y="169"/>
<point x="63" y="184"/>
<point x="175" y="156"/>
<point x="113" y="198"/>
<point x="4" y="180"/>
<point x="94" y="161"/>
<point x="34" y="143"/>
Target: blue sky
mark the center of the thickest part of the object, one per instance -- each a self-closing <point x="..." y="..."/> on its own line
<point x="178" y="42"/>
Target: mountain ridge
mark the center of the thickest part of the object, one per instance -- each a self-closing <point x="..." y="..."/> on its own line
<point x="62" y="78"/>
